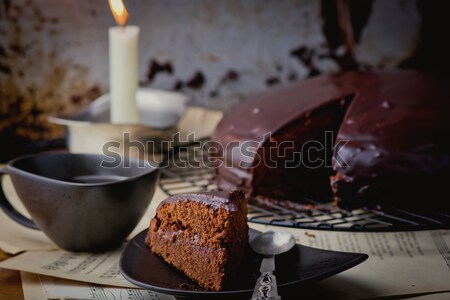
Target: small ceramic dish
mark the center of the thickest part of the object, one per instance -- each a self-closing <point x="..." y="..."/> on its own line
<point x="159" y="113"/>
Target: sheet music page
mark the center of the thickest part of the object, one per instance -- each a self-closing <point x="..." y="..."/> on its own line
<point x="56" y="288"/>
<point x="399" y="262"/>
<point x="94" y="268"/>
<point x="40" y="287"/>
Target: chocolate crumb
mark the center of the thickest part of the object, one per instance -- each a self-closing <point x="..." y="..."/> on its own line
<point x="184" y="286"/>
<point x="310" y="234"/>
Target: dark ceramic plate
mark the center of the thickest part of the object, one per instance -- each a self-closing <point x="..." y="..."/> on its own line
<point x="300" y="265"/>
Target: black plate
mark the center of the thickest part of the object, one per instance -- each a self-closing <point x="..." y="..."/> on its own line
<point x="300" y="265"/>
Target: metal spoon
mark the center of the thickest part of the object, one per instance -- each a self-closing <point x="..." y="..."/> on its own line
<point x="270" y="244"/>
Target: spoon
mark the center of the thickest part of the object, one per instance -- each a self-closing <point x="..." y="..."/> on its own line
<point x="269" y="244"/>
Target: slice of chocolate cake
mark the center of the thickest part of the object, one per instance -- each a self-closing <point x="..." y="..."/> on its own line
<point x="205" y="235"/>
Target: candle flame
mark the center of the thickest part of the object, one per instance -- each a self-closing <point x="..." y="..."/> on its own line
<point x="119" y="11"/>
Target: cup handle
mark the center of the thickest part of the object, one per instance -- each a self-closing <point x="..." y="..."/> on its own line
<point x="10" y="210"/>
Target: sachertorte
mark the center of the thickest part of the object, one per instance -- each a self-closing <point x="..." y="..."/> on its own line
<point x="205" y="235"/>
<point x="369" y="138"/>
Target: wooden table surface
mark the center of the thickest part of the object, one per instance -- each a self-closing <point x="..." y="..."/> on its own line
<point x="10" y="284"/>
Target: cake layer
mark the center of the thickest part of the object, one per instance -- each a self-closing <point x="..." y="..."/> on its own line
<point x="204" y="264"/>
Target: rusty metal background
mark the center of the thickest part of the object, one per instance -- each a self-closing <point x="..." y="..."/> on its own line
<point x="54" y="54"/>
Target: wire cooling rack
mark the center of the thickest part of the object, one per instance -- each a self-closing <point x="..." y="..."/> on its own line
<point x="188" y="169"/>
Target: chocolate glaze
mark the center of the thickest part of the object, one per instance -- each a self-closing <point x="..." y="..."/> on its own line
<point x="399" y="123"/>
<point x="398" y="148"/>
<point x="397" y="129"/>
<point x="216" y="199"/>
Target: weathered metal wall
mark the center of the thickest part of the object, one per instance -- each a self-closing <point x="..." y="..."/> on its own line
<point x="54" y="54"/>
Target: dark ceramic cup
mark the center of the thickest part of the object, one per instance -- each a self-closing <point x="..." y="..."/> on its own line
<point x="77" y="202"/>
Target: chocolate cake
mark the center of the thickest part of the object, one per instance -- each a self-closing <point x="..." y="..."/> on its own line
<point x="364" y="138"/>
<point x="205" y="235"/>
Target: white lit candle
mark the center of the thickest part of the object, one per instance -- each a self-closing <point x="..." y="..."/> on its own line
<point x="123" y="67"/>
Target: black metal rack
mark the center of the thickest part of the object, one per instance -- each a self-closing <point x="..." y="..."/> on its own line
<point x="188" y="169"/>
